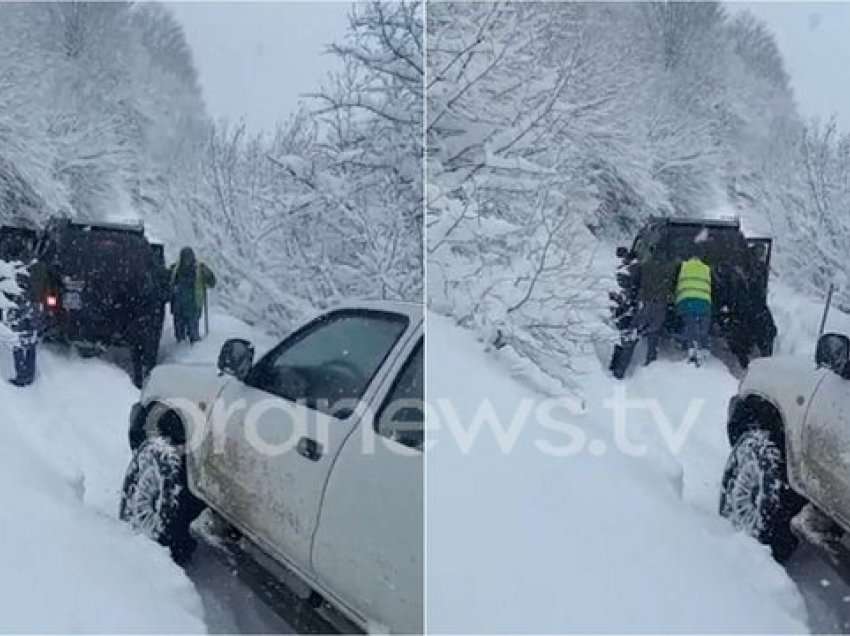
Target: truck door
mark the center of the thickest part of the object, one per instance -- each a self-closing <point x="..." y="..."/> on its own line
<point x="826" y="446"/>
<point x="760" y="250"/>
<point x="369" y="543"/>
<point x="266" y="470"/>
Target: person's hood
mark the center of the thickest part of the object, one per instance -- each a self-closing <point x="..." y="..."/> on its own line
<point x="187" y="257"/>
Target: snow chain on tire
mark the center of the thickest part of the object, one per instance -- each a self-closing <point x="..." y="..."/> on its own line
<point x="155" y="500"/>
<point x="755" y="494"/>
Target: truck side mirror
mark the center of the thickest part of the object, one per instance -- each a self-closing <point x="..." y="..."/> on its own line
<point x="833" y="352"/>
<point x="235" y="358"/>
<point x="622" y="252"/>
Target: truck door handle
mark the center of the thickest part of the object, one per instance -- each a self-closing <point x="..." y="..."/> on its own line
<point x="309" y="448"/>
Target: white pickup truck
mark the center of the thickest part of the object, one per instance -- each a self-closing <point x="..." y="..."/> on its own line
<point x="788" y="473"/>
<point x="313" y="454"/>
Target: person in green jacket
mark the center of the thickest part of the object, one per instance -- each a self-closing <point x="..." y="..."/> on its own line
<point x="693" y="303"/>
<point x="190" y="279"/>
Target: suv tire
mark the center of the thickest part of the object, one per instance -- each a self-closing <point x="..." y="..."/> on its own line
<point x="155" y="498"/>
<point x="144" y="357"/>
<point x="755" y="495"/>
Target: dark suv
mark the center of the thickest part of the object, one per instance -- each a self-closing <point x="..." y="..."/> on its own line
<point x="100" y="285"/>
<point x="740" y="268"/>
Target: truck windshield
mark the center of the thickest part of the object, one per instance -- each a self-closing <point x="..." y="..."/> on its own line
<point x="717" y="243"/>
<point x="104" y="252"/>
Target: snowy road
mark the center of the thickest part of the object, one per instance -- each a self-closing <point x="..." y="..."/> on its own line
<point x="620" y="542"/>
<point x="63" y="452"/>
<point x="672" y="565"/>
<point x="827" y="596"/>
<point x="230" y="606"/>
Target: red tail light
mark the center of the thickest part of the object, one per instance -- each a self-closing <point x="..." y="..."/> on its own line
<point x="52" y="301"/>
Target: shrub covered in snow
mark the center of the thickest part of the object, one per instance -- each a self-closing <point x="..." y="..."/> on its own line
<point x="101" y="117"/>
<point x="11" y="275"/>
<point x="552" y="126"/>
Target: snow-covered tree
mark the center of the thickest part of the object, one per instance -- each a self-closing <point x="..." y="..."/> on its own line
<point x="556" y="128"/>
<point x="329" y="207"/>
<point x="99" y="99"/>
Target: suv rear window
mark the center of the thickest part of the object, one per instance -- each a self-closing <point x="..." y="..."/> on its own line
<point x="87" y="250"/>
<point x="717" y="242"/>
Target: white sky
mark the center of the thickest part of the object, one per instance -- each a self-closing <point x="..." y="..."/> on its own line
<point x="814" y="38"/>
<point x="255" y="59"/>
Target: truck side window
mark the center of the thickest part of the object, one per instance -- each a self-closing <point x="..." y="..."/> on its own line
<point x="645" y="244"/>
<point x="402" y="415"/>
<point x="639" y="247"/>
<point x="329" y="364"/>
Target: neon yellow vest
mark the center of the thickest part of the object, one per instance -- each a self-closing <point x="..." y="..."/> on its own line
<point x="694" y="281"/>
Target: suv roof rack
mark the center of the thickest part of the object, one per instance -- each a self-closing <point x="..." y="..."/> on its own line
<point x="125" y="226"/>
<point x="681" y="220"/>
<point x="20" y="223"/>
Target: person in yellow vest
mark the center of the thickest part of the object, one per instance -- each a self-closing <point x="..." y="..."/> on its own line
<point x="190" y="279"/>
<point x="693" y="303"/>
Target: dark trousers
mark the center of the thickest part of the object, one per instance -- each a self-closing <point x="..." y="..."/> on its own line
<point x="695" y="329"/>
<point x="649" y="323"/>
<point x="24" y="357"/>
<point x="187" y="328"/>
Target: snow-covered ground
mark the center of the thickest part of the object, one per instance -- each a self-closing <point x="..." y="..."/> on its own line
<point x="222" y="328"/>
<point x="598" y="540"/>
<point x="798" y="319"/>
<point x="67" y="564"/>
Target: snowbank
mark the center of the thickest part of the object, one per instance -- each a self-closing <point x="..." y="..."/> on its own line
<point x="67" y="564"/>
<point x="798" y="318"/>
<point x="222" y="328"/>
<point x="9" y="289"/>
<point x="597" y="541"/>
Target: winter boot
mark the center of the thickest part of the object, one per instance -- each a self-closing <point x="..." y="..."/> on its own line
<point x="693" y="355"/>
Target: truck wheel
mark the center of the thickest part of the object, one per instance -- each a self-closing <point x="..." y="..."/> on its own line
<point x="138" y="366"/>
<point x="621" y="359"/>
<point x="755" y="495"/>
<point x="740" y="346"/>
<point x="766" y="345"/>
<point x="144" y="360"/>
<point x="155" y="498"/>
<point x="765" y="333"/>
